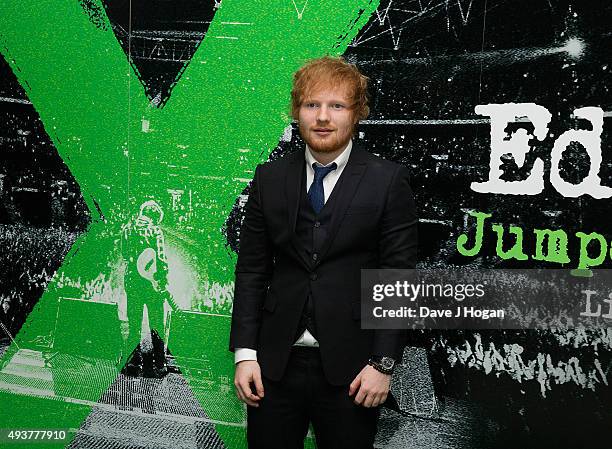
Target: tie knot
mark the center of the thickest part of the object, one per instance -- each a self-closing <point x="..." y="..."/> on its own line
<point x="322" y="172"/>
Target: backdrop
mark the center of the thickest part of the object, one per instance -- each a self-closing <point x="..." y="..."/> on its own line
<point x="129" y="133"/>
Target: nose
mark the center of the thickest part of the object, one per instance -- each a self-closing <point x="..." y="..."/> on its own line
<point x="323" y="114"/>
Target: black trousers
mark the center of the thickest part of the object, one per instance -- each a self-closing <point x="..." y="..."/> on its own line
<point x="304" y="396"/>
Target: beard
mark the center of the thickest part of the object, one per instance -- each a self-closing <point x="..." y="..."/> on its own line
<point x="335" y="141"/>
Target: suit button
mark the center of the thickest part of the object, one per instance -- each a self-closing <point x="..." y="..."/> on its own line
<point x="317" y="224"/>
<point x="313" y="276"/>
<point x="315" y="256"/>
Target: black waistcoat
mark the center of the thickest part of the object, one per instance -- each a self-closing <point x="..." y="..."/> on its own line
<point x="312" y="231"/>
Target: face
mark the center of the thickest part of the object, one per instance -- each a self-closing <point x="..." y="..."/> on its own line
<point x="327" y="119"/>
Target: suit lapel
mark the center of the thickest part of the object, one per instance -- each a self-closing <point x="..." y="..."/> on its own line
<point x="293" y="186"/>
<point x="344" y="191"/>
<point x="293" y="189"/>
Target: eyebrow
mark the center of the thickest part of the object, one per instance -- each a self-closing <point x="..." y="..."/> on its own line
<point x="334" y="101"/>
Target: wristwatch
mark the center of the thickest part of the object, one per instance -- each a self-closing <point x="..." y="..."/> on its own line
<point x="383" y="364"/>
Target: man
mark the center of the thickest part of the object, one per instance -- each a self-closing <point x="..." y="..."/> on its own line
<point x="314" y="219"/>
<point x="146" y="281"/>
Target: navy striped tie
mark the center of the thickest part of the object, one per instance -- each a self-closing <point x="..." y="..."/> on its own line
<point x="316" y="195"/>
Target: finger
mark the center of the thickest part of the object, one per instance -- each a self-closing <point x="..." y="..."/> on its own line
<point x="369" y="399"/>
<point x="244" y="398"/>
<point x="375" y="400"/>
<point x="354" y="385"/>
<point x="252" y="396"/>
<point x="258" y="384"/>
<point x="251" y="403"/>
<point x="378" y="400"/>
<point x="238" y="391"/>
<point x="248" y="394"/>
<point x="359" y="397"/>
<point x="239" y="395"/>
<point x="245" y="387"/>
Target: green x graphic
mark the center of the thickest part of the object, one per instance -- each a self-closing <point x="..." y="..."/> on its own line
<point x="192" y="158"/>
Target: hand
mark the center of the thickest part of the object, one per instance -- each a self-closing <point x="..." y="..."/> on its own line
<point x="248" y="373"/>
<point x="372" y="387"/>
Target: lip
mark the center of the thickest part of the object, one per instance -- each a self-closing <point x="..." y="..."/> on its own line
<point x="322" y="130"/>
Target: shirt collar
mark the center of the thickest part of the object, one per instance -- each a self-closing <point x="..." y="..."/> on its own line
<point x="340" y="161"/>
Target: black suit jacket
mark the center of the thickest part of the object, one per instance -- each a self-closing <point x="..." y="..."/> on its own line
<point x="374" y="225"/>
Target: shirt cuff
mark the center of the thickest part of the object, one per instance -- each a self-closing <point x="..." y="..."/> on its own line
<point x="242" y="354"/>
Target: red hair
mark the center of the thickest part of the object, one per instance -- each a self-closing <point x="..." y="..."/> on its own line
<point x="330" y="71"/>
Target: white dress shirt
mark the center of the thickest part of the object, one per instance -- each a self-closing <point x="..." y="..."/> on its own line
<point x="329" y="182"/>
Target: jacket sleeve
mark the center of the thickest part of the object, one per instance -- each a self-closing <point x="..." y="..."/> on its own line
<point x="397" y="249"/>
<point x="253" y="271"/>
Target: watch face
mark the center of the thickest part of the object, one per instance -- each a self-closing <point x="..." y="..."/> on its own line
<point x="387" y="362"/>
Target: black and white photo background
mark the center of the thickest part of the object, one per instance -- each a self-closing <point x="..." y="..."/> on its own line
<point x="430" y="64"/>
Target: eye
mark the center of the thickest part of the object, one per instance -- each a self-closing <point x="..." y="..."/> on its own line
<point x="338" y="106"/>
<point x="310" y="105"/>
